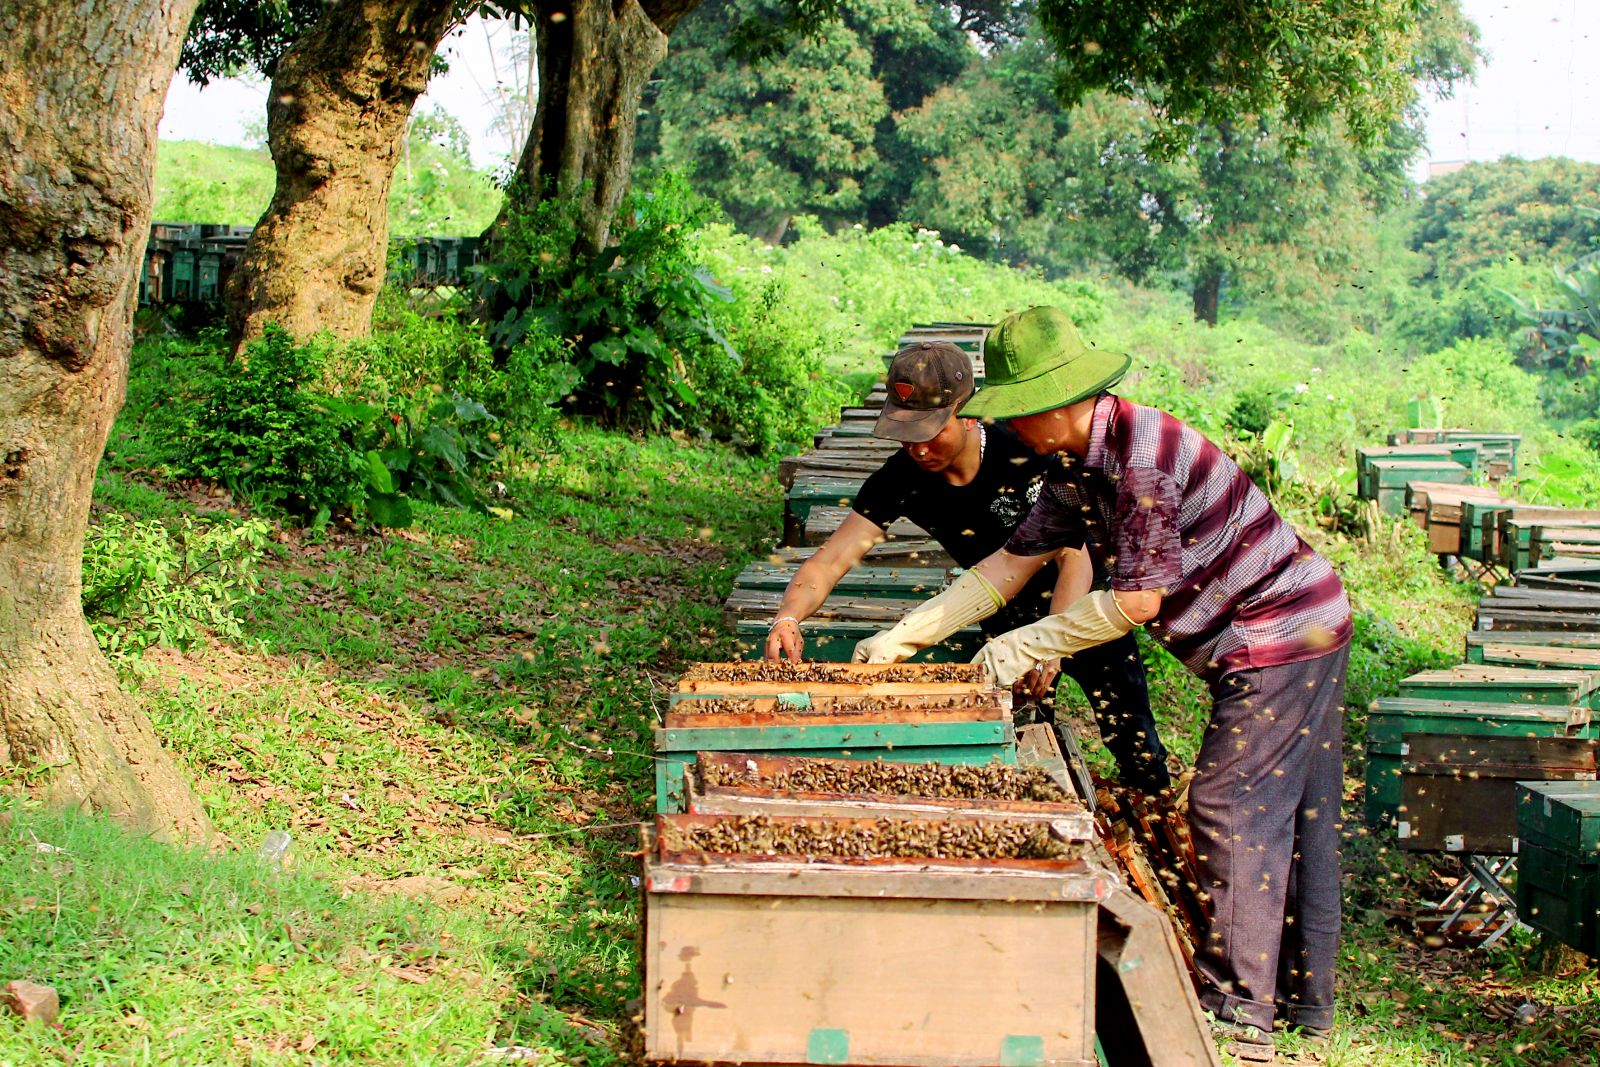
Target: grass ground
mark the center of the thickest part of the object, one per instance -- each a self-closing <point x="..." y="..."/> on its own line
<point x="452" y="722"/>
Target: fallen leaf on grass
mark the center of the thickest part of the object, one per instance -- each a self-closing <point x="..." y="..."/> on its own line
<point x="406" y="974"/>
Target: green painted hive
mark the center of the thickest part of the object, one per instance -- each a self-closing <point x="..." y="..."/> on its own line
<point x="1558" y="865"/>
<point x="1391" y="719"/>
<point x="1494" y="684"/>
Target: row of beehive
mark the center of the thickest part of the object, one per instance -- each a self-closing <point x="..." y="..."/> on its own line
<point x="849" y="866"/>
<point x="1498" y="756"/>
<point x="819" y="489"/>
<point x="1439" y="457"/>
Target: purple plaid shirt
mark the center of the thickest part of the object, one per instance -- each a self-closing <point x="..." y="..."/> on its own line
<point x="1163" y="508"/>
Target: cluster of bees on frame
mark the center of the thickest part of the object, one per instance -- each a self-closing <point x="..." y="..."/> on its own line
<point x="814" y="673"/>
<point x="762" y="835"/>
<point x="990" y="781"/>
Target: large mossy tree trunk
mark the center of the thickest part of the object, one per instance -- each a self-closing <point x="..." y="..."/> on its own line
<point x="594" y="59"/>
<point x="81" y="91"/>
<point x="336" y="121"/>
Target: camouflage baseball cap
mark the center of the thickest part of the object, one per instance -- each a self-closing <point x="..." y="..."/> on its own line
<point x="927" y="382"/>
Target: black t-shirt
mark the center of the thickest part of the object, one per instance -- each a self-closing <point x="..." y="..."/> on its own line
<point x="971" y="521"/>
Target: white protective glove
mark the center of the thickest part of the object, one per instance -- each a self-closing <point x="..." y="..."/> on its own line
<point x="1091" y="620"/>
<point x="970" y="598"/>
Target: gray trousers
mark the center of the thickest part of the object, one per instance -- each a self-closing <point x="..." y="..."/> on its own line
<point x="1264" y="813"/>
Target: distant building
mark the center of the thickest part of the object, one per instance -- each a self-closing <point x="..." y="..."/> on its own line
<point x="1440" y="167"/>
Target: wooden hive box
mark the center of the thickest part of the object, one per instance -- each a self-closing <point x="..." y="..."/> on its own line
<point x="832" y="709"/>
<point x="808" y="493"/>
<point x="1582" y="576"/>
<point x="821" y="522"/>
<point x="1389" y="478"/>
<point x="771" y="959"/>
<point x="1508" y="642"/>
<point x="1390" y="721"/>
<point x="739" y="783"/>
<point x="1558" y="865"/>
<point x="1514" y="531"/>
<point x="1458" y="794"/>
<point x="1437" y="507"/>
<point x="911" y="552"/>
<point x="1575" y="541"/>
<point x="1491" y="684"/>
<point x="1527" y="608"/>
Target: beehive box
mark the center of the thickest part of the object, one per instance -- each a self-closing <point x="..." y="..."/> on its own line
<point x="943" y="713"/>
<point x="1459" y="794"/>
<point x="1437" y="507"/>
<point x="731" y="783"/>
<point x="1389" y="478"/>
<point x="1558" y="867"/>
<point x="898" y="959"/>
<point x="1493" y="684"/>
<point x="1519" y="608"/>
<point x="822" y="522"/>
<point x="1514" y="530"/>
<point x="1478" y="642"/>
<point x="1390" y="720"/>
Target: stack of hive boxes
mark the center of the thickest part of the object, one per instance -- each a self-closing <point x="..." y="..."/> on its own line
<point x="849" y="866"/>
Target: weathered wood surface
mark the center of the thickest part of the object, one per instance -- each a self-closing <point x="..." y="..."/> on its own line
<point x="822" y="521"/>
<point x="1144" y="969"/>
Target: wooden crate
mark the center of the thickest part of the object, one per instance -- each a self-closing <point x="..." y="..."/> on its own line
<point x="1390" y="720"/>
<point x="1564" y="816"/>
<point x="1479" y="641"/>
<point x="1558" y="867"/>
<point x="779" y="960"/>
<point x="1390" y="477"/>
<point x="756" y="794"/>
<point x="1459" y="794"/>
<point x="1514" y="537"/>
<point x="903" y="582"/>
<point x="797" y="717"/>
<point x="821" y="522"/>
<point x="1437" y="507"/>
<point x="1492" y="684"/>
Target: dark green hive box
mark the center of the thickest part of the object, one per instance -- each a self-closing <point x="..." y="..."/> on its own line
<point x="1391" y="719"/>
<point x="1558" y="866"/>
<point x="1492" y="684"/>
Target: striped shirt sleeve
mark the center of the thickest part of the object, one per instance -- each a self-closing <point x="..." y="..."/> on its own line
<point x="1148" y="545"/>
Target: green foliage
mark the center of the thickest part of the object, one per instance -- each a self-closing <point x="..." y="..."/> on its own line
<point x="425" y="451"/>
<point x="263" y="430"/>
<point x="266" y="427"/>
<point x="1309" y="59"/>
<point x="221" y="960"/>
<point x="795" y="132"/>
<point x="1564" y="474"/>
<point x="1486" y="212"/>
<point x="638" y="312"/>
<point x="436" y="190"/>
<point x="859" y="289"/>
<point x="1477" y="383"/>
<point x="641" y="333"/>
<point x="1564" y="341"/>
<point x="229" y="37"/>
<point x="145" y="584"/>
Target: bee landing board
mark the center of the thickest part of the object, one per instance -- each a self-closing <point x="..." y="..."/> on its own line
<point x="919" y="963"/>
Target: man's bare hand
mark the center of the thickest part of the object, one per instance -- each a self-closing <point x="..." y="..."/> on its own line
<point x="785" y="642"/>
<point x="1039" y="682"/>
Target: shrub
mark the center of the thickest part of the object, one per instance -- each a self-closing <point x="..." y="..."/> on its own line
<point x="145" y="585"/>
<point x="263" y="430"/>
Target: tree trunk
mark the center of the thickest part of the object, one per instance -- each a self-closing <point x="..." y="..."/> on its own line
<point x="1207" y="291"/>
<point x="336" y="121"/>
<point x="82" y="88"/>
<point x="594" y="59"/>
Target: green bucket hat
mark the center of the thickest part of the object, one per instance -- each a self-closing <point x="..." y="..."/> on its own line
<point x="1035" y="361"/>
